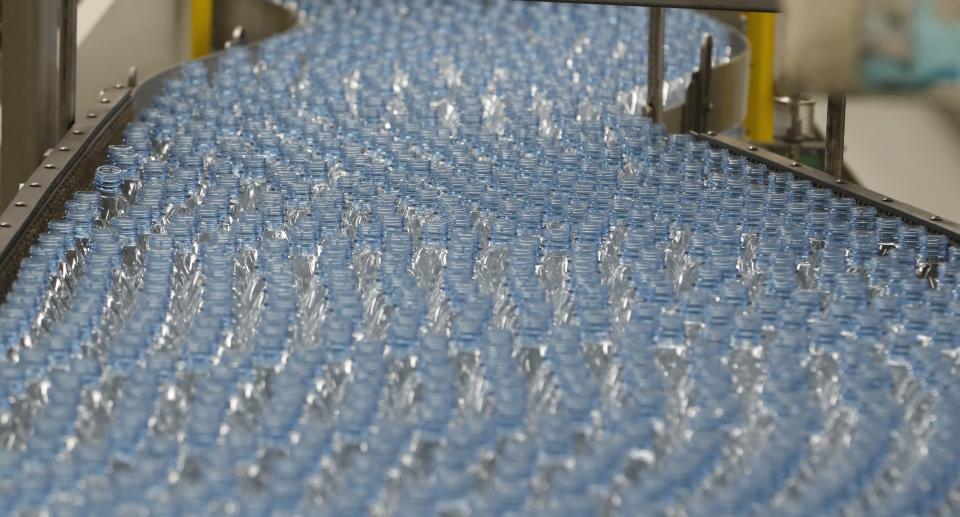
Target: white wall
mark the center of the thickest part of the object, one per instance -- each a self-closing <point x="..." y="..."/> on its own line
<point x="114" y="35"/>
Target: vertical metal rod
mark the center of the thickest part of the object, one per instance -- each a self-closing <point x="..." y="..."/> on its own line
<point x="67" y="103"/>
<point x="836" y="121"/>
<point x="29" y="89"/>
<point x="655" y="64"/>
<point x="705" y="71"/>
<point x="795" y="132"/>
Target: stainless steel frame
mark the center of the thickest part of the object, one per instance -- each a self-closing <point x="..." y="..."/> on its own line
<point x="39" y="84"/>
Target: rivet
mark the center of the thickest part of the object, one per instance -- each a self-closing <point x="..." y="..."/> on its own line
<point x="35" y="185"/>
<point x="78" y="131"/>
<point x="795" y="164"/>
<point x="64" y="149"/>
<point x="20" y="204"/>
<point x="5" y="225"/>
<point x="104" y="100"/>
<point x="118" y="86"/>
<point x="839" y="182"/>
<point x="936" y="218"/>
<point x="752" y="148"/>
<point x="711" y="133"/>
<point x="49" y="166"/>
<point x="91" y="115"/>
<point x="887" y="199"/>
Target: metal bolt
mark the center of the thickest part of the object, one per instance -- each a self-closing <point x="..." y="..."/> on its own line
<point x="5" y="225"/>
<point x="104" y="100"/>
<point x="35" y="185"/>
<point x="795" y="164"/>
<point x="840" y="182"/>
<point x="119" y="86"/>
<point x="91" y="115"/>
<point x="49" y="166"/>
<point x="64" y="149"/>
<point x="936" y="218"/>
<point x="711" y="133"/>
<point x="20" y="204"/>
<point x="887" y="199"/>
<point x="78" y="131"/>
<point x="752" y="148"/>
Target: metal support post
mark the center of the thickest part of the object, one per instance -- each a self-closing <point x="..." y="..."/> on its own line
<point x="67" y="97"/>
<point x="38" y="84"/>
<point x="704" y="74"/>
<point x="836" y="120"/>
<point x="794" y="135"/>
<point x="29" y="89"/>
<point x="655" y="64"/>
<point x="697" y="108"/>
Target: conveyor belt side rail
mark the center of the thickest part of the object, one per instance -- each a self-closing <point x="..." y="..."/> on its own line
<point x="882" y="203"/>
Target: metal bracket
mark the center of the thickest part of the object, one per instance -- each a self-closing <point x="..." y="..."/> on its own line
<point x="132" y="77"/>
<point x="237" y="37"/>
<point x="836" y="124"/>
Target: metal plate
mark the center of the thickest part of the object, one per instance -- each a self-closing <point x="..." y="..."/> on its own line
<point x="883" y="204"/>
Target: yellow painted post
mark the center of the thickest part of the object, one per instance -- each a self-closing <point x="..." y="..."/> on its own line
<point x="761" y="32"/>
<point x="201" y="28"/>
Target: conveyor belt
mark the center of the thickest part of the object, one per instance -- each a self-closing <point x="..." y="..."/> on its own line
<point x="412" y="261"/>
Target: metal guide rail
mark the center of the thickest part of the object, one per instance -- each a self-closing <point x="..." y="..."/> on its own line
<point x="67" y="168"/>
<point x="883" y="204"/>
